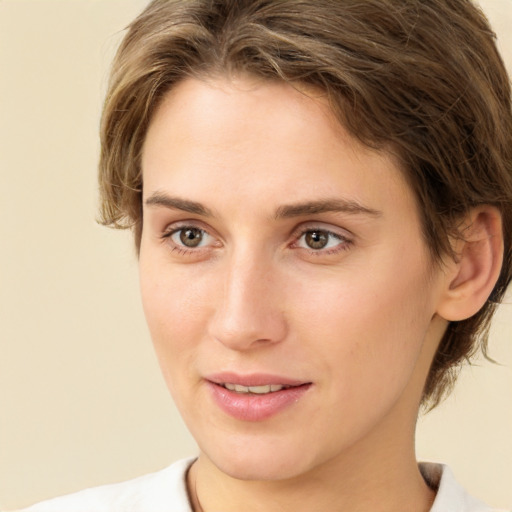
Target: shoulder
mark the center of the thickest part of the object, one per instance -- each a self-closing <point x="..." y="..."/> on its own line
<point x="451" y="496"/>
<point x="157" y="492"/>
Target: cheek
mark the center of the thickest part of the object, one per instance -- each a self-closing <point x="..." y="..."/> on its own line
<point x="172" y="298"/>
<point x="367" y="326"/>
<point x="176" y="310"/>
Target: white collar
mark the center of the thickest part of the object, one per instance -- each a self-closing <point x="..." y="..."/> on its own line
<point x="451" y="496"/>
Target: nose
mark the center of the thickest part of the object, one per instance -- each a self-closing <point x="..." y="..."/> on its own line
<point x="250" y="311"/>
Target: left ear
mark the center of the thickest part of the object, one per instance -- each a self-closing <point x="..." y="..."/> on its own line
<point x="472" y="274"/>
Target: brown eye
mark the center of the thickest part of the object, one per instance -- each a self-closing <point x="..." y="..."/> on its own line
<point x="191" y="237"/>
<point x="316" y="239"/>
<point x="322" y="241"/>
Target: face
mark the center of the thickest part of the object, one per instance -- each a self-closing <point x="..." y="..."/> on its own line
<point x="284" y="278"/>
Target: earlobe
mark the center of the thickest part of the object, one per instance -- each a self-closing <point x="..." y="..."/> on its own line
<point x="471" y="276"/>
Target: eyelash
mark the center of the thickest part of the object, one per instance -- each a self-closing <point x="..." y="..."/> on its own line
<point x="344" y="242"/>
<point x="182" y="250"/>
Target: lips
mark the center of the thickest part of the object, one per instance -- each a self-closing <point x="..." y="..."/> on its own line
<point x="255" y="397"/>
<point x="253" y="379"/>
<point x="256" y="390"/>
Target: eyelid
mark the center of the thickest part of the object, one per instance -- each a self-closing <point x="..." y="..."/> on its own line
<point x="173" y="228"/>
<point x="337" y="231"/>
<point x="344" y="236"/>
<point x="346" y="239"/>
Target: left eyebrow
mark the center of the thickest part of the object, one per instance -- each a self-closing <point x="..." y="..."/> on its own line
<point x="325" y="206"/>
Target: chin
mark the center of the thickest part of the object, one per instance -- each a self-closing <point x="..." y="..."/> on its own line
<point x="260" y="460"/>
<point x="249" y="469"/>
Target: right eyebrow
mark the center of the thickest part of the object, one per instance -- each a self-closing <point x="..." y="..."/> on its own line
<point x="176" y="203"/>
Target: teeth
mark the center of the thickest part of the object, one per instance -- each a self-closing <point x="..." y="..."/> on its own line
<point x="257" y="390"/>
<point x="260" y="390"/>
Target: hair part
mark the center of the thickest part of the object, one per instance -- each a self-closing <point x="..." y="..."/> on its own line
<point x="421" y="79"/>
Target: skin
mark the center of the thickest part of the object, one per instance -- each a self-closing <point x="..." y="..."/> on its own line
<point x="359" y="319"/>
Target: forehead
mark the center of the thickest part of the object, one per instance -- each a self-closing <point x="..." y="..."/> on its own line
<point x="238" y="112"/>
<point x="262" y="139"/>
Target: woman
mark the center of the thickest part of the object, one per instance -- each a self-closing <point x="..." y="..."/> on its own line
<point x="320" y="194"/>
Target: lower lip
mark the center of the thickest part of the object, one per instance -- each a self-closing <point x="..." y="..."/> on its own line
<point x="253" y="407"/>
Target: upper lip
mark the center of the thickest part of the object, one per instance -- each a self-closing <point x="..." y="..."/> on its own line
<point x="253" y="379"/>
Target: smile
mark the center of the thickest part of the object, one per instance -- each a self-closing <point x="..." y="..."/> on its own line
<point x="255" y="400"/>
<point x="256" y="390"/>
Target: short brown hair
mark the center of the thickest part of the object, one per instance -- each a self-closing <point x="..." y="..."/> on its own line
<point x="421" y="78"/>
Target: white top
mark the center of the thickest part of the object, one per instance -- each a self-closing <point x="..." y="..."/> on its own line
<point x="165" y="491"/>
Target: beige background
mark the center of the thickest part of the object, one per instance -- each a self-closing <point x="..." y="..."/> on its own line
<point x="81" y="398"/>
